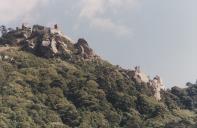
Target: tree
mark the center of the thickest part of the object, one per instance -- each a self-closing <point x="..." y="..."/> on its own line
<point x="3" y="30"/>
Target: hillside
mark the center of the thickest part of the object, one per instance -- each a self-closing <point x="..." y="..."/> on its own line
<point x="49" y="81"/>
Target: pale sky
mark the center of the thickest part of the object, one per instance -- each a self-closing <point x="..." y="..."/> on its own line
<point x="158" y="35"/>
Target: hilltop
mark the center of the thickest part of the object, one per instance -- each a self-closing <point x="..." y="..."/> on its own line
<point x="49" y="81"/>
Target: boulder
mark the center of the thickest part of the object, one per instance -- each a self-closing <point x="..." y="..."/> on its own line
<point x="50" y="48"/>
<point x="46" y="43"/>
<point x="54" y="46"/>
<point x="83" y="49"/>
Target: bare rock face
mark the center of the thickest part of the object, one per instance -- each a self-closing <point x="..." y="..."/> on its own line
<point x="83" y="49"/>
<point x="157" y="85"/>
<point x="140" y="77"/>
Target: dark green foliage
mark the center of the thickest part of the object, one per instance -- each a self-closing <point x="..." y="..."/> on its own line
<point x="181" y="124"/>
<point x="184" y="98"/>
<point x="55" y="93"/>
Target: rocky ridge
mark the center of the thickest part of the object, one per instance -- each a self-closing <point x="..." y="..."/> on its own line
<point x="46" y="42"/>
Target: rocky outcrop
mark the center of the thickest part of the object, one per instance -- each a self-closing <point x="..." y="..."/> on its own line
<point x="83" y="49"/>
<point x="157" y="85"/>
<point x="43" y="41"/>
<point x="47" y="42"/>
<point x="140" y="77"/>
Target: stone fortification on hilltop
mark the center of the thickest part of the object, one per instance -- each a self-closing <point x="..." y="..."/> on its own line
<point x="46" y="42"/>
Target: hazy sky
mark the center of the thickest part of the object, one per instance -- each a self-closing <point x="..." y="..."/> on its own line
<point x="158" y="35"/>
